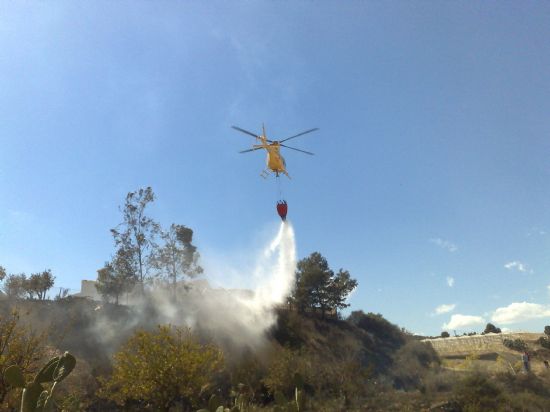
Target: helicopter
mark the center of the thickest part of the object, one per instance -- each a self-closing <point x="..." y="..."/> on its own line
<point x="275" y="161"/>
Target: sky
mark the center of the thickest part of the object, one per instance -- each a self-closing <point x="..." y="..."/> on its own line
<point x="430" y="176"/>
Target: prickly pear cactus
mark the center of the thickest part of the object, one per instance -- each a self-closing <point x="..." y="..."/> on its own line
<point x="35" y="397"/>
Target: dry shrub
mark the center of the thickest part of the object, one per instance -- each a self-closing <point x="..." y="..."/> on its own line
<point x="439" y="381"/>
<point x="411" y="363"/>
<point x="19" y="345"/>
<point x="477" y="393"/>
<point x="526" y="402"/>
<point x="521" y="382"/>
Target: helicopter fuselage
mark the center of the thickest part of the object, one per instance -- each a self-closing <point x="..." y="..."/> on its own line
<point x="275" y="161"/>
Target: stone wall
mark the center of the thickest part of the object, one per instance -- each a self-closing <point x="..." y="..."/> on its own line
<point x="492" y="342"/>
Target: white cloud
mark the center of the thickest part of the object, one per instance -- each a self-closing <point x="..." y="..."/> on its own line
<point x="519" y="266"/>
<point x="441" y="309"/>
<point x="519" y="312"/>
<point x="445" y="244"/>
<point x="463" y="321"/>
<point x="450" y="281"/>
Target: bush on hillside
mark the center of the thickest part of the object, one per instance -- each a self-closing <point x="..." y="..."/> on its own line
<point x="161" y="368"/>
<point x="522" y="383"/>
<point x="477" y="393"/>
<point x="411" y="362"/>
<point x="377" y="325"/>
<point x="515" y="344"/>
<point x="19" y="345"/>
<point x="285" y="362"/>
<point x="544" y="342"/>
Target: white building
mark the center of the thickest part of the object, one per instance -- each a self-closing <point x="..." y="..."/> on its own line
<point x="88" y="290"/>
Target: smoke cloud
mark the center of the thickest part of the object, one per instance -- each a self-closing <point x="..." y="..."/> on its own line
<point x="234" y="318"/>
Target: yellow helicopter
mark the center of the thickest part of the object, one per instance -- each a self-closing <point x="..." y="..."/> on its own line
<point x="275" y="161"/>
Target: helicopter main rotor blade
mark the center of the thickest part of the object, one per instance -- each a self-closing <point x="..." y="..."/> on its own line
<point x="299" y="134"/>
<point x="245" y="132"/>
<point x="250" y="133"/>
<point x="299" y="150"/>
<point x="251" y="150"/>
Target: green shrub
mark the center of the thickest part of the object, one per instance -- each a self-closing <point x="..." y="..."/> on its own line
<point x="516" y="344"/>
<point x="162" y="368"/>
<point x="544" y="342"/>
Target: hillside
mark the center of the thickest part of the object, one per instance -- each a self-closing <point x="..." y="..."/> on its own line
<point x="339" y="359"/>
<point x="361" y="363"/>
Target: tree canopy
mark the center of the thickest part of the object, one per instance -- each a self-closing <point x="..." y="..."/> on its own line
<point x="113" y="280"/>
<point x="35" y="286"/>
<point x="490" y="328"/>
<point x="38" y="284"/>
<point x="144" y="251"/>
<point x="317" y="286"/>
<point x="177" y="257"/>
<point x="135" y="237"/>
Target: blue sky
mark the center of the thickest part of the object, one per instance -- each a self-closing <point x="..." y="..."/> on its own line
<point x="430" y="180"/>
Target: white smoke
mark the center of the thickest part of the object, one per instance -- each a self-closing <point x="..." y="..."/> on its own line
<point x="239" y="316"/>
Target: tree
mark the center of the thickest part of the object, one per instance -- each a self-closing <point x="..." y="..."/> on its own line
<point x="445" y="334"/>
<point x="114" y="279"/>
<point x="162" y="367"/>
<point x="178" y="257"/>
<point x="490" y="328"/>
<point x="312" y="278"/>
<point x="339" y="289"/>
<point x="15" y="285"/>
<point x="135" y="236"/>
<point x="318" y="287"/>
<point x="547" y="331"/>
<point x="39" y="283"/>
